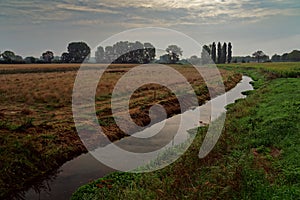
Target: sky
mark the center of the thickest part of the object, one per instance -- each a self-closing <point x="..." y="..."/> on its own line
<point x="30" y="27"/>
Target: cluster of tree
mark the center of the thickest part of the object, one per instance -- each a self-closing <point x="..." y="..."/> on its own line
<point x="173" y="53"/>
<point x="219" y="54"/>
<point x="243" y="59"/>
<point x="294" y="56"/>
<point x="126" y="52"/>
<point x="260" y="56"/>
<point x="77" y="53"/>
<point x="213" y="53"/>
<point x="121" y="52"/>
<point x="9" y="57"/>
<point x="137" y="52"/>
<point x="257" y="56"/>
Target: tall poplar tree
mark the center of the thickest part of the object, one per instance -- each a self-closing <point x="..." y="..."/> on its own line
<point x="224" y="53"/>
<point x="219" y="52"/>
<point x="213" y="52"/>
<point x="229" y="53"/>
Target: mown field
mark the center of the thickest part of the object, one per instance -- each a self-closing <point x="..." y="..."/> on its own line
<point x="37" y="132"/>
<point x="257" y="156"/>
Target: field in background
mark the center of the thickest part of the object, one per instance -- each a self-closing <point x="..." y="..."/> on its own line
<point x="45" y="98"/>
<point x="37" y="132"/>
<point x="55" y="66"/>
<point x="273" y="70"/>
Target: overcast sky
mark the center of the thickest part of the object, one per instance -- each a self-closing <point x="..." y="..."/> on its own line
<point x="29" y="27"/>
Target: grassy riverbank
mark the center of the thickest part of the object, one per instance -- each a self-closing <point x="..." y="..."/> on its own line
<point x="257" y="156"/>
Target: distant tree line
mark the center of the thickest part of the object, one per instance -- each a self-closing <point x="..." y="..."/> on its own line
<point x="260" y="56"/>
<point x="137" y="52"/>
<point x="294" y="56"/>
<point x="77" y="53"/>
<point x="10" y="57"/>
<point x="126" y="52"/>
<point x="257" y="56"/>
<point x="243" y="59"/>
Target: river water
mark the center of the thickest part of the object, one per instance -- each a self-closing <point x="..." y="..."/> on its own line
<point x="86" y="168"/>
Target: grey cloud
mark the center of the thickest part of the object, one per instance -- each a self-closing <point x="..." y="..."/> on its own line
<point x="134" y="13"/>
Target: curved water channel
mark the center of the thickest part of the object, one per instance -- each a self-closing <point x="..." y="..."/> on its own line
<point x="86" y="168"/>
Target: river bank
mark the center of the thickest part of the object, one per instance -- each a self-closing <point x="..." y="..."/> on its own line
<point x="257" y="156"/>
<point x="86" y="168"/>
<point x="37" y="132"/>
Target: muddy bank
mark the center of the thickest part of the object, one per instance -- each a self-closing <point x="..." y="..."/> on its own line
<point x="33" y="153"/>
<point x="171" y="104"/>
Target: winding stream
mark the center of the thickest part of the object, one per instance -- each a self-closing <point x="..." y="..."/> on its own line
<point x="86" y="168"/>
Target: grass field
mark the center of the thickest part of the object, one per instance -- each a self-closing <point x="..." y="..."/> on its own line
<point x="257" y="156"/>
<point x="37" y="132"/>
<point x="272" y="70"/>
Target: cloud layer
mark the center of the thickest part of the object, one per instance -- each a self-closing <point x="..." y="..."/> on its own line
<point x="31" y="26"/>
<point x="136" y="13"/>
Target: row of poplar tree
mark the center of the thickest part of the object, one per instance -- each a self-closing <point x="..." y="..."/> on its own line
<point x="218" y="54"/>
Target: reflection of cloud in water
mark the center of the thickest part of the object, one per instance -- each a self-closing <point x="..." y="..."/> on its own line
<point x="142" y="151"/>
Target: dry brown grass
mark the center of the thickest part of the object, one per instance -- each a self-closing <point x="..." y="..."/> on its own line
<point x="36" y="120"/>
<point x="48" y="96"/>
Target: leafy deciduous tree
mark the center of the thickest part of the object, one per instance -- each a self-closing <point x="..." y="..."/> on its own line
<point x="30" y="60"/>
<point x="78" y="51"/>
<point x="294" y="56"/>
<point x="174" y="52"/>
<point x="276" y="58"/>
<point x="8" y="56"/>
<point x="18" y="60"/>
<point x="48" y="56"/>
<point x="65" y="57"/>
<point x="259" y="55"/>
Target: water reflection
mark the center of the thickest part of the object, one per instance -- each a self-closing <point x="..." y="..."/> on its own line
<point x="70" y="176"/>
<point x="132" y="152"/>
<point x="42" y="185"/>
<point x="85" y="168"/>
